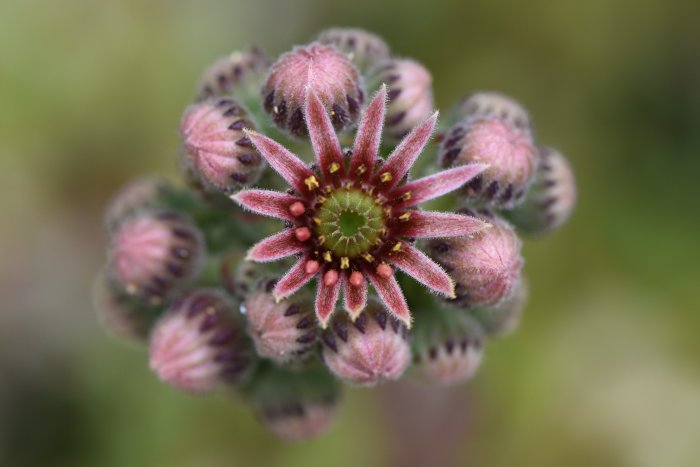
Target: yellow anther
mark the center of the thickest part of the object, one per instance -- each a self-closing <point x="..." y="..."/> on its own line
<point x="369" y="258"/>
<point x="387" y="211"/>
<point x="317" y="220"/>
<point x="405" y="216"/>
<point x="322" y="199"/>
<point x="382" y="230"/>
<point x="322" y="239"/>
<point x="361" y="169"/>
<point x="378" y="241"/>
<point x="327" y="256"/>
<point x="396" y="247"/>
<point x="344" y="262"/>
<point x="385" y="177"/>
<point x="311" y="183"/>
<point x="406" y="196"/>
<point x="334" y="167"/>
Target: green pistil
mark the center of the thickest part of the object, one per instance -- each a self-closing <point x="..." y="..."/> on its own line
<point x="350" y="222"/>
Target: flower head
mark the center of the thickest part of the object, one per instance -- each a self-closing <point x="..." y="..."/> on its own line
<point x="353" y="216"/>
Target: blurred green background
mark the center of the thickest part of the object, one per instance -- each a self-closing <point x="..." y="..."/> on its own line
<point x="605" y="369"/>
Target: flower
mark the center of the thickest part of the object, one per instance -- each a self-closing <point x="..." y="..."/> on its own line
<point x="352" y="219"/>
<point x="362" y="47"/>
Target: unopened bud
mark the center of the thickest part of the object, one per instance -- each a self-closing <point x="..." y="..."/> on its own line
<point x="140" y="194"/>
<point x="294" y="405"/>
<point x="362" y="47"/>
<point x="199" y="344"/>
<point x="153" y="254"/>
<point x="372" y="349"/>
<point x="485" y="266"/>
<point x="448" y="349"/>
<point x="239" y="75"/>
<point x="409" y="92"/>
<point x="217" y="151"/>
<point x="282" y="331"/>
<point x="551" y="199"/>
<point x="324" y="70"/>
<point x="509" y="152"/>
<point x="493" y="104"/>
<point x="504" y="319"/>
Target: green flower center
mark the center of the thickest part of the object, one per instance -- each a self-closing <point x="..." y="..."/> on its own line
<point x="349" y="223"/>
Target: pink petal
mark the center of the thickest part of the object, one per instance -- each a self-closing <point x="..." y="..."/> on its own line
<point x="401" y="160"/>
<point x="416" y="264"/>
<point x="369" y="134"/>
<point x="275" y="247"/>
<point x="293" y="280"/>
<point x="267" y="202"/>
<point x="289" y="166"/>
<point x="322" y="134"/>
<point x="326" y="298"/>
<point x="390" y="293"/>
<point x="429" y="224"/>
<point x="355" y="298"/>
<point x="441" y="183"/>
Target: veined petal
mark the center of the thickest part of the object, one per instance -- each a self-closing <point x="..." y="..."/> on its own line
<point x="434" y="186"/>
<point x="275" y="247"/>
<point x="293" y="280"/>
<point x="416" y="264"/>
<point x="429" y="224"/>
<point x="401" y="160"/>
<point x="267" y="202"/>
<point x="322" y="135"/>
<point x="326" y="298"/>
<point x="390" y="293"/>
<point x="369" y="135"/>
<point x="354" y="298"/>
<point x="289" y="166"/>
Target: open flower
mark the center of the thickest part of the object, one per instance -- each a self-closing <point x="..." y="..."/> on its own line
<point x="352" y="220"/>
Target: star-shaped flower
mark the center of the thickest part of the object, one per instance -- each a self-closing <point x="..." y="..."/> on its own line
<point x="353" y="217"/>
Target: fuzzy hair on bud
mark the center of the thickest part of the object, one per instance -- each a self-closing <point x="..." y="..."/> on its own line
<point x="282" y="331"/>
<point x="372" y="349"/>
<point x="363" y="48"/>
<point x="199" y="343"/>
<point x="153" y="254"/>
<point x="409" y="94"/>
<point x="318" y="68"/>
<point x="217" y="152"/>
<point x="509" y="152"/>
<point x="485" y="266"/>
<point x="137" y="195"/>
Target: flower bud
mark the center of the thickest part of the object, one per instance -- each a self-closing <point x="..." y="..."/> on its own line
<point x="323" y="69"/>
<point x="410" y="95"/>
<point x="282" y="331"/>
<point x="139" y="194"/>
<point x="199" y="343"/>
<point x="493" y="104"/>
<point x="362" y="47"/>
<point x="122" y="315"/>
<point x="239" y="75"/>
<point x="485" y="266"/>
<point x="217" y="151"/>
<point x="509" y="152"/>
<point x="372" y="349"/>
<point x="551" y="199"/>
<point x="503" y="319"/>
<point x="294" y="405"/>
<point x="154" y="253"/>
<point x="448" y="351"/>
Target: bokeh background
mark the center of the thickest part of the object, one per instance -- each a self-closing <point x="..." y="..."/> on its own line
<point x="605" y="369"/>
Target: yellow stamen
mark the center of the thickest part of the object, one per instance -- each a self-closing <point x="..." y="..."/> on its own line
<point x="322" y="199"/>
<point x="405" y="216"/>
<point x="317" y="220"/>
<point x="327" y="256"/>
<point x="311" y="183"/>
<point x="406" y="196"/>
<point x="369" y="258"/>
<point x="361" y="169"/>
<point x="344" y="262"/>
<point x="385" y="177"/>
<point x="396" y="247"/>
<point x="334" y="167"/>
<point x="322" y="239"/>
